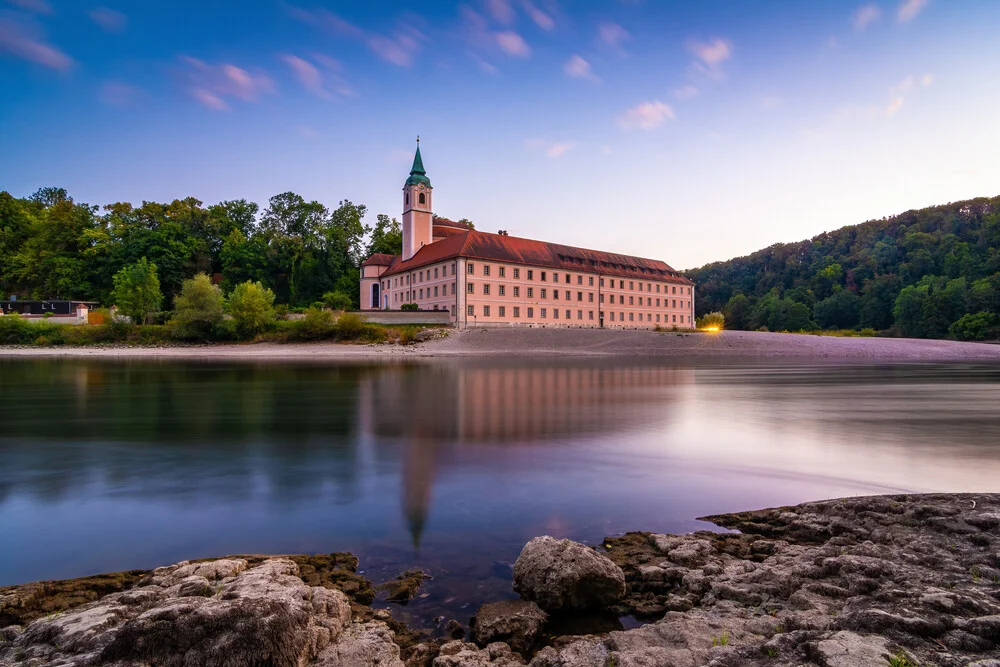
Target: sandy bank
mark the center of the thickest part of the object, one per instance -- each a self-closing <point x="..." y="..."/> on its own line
<point x="563" y="343"/>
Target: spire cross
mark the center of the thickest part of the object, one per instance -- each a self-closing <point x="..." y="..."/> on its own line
<point x="418" y="139"/>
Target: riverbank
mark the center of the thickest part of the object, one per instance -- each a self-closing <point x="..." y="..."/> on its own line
<point x="856" y="582"/>
<point x="559" y="343"/>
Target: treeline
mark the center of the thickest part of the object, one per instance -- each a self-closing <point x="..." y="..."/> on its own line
<point x="52" y="247"/>
<point x="931" y="273"/>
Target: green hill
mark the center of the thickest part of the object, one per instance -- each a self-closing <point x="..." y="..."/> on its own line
<point x="930" y="273"/>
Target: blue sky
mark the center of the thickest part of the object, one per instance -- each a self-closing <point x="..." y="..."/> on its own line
<point x="685" y="131"/>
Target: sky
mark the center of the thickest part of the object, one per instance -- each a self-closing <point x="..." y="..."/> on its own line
<point x="684" y="131"/>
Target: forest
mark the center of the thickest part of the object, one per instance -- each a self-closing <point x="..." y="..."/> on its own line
<point x="52" y="247"/>
<point x="928" y="273"/>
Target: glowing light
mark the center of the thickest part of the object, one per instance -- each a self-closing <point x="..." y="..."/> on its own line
<point x="712" y="329"/>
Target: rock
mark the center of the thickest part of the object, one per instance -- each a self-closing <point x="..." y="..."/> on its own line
<point x="848" y="649"/>
<point x="460" y="654"/>
<point x="561" y="575"/>
<point x="369" y="644"/>
<point x="516" y="622"/>
<point x="404" y="587"/>
<point x="453" y="629"/>
<point x="987" y="627"/>
<point x="581" y="653"/>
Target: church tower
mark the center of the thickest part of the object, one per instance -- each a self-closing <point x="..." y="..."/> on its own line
<point x="418" y="216"/>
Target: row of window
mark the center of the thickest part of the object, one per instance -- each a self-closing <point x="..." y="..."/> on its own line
<point x="543" y="313"/>
<point x="470" y="268"/>
<point x="543" y="293"/>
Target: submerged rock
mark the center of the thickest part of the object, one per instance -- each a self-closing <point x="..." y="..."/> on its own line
<point x="404" y="587"/>
<point x="561" y="575"/>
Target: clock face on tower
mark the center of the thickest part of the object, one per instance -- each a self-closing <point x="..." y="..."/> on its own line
<point x="421" y="186"/>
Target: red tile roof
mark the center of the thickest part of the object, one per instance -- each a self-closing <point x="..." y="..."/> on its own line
<point x="511" y="249"/>
<point x="379" y="259"/>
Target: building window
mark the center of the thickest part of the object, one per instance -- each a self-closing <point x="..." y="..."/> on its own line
<point x="517" y="292"/>
<point x="503" y="272"/>
<point x="470" y="268"/>
<point x="602" y="298"/>
<point x="631" y="285"/>
<point x="579" y="280"/>
<point x="486" y="290"/>
<point x="486" y="311"/>
<point x="517" y="312"/>
<point x="579" y="296"/>
<point x="649" y="301"/>
<point x="602" y="282"/>
<point x="503" y="290"/>
<point x="471" y="310"/>
<point x="555" y="277"/>
<point x="675" y="304"/>
<point x="649" y="287"/>
<point x="569" y="314"/>
<point x="631" y="317"/>
<point x="590" y="281"/>
<point x="568" y="295"/>
<point x="612" y="317"/>
<point x="531" y="274"/>
<point x="555" y="294"/>
<point x="674" y="288"/>
<point x="486" y="269"/>
<point x="470" y="288"/>
<point x="531" y="313"/>
<point x="543" y="280"/>
<point x="657" y="288"/>
<point x="631" y="301"/>
<point x="517" y="274"/>
<point x="675" y="318"/>
<point x="590" y="297"/>
<point x="621" y="299"/>
<point x="435" y="290"/>
<point x="657" y="303"/>
<point x="579" y="314"/>
<point x="555" y="312"/>
<point x="543" y="290"/>
<point x="689" y="292"/>
<point x="543" y="314"/>
<point x="421" y="292"/>
<point x="567" y="278"/>
<point x="531" y="292"/>
<point x="435" y="273"/>
<point x="640" y="287"/>
<point x="453" y="288"/>
<point x="621" y="284"/>
<point x="590" y="314"/>
<point x="503" y="311"/>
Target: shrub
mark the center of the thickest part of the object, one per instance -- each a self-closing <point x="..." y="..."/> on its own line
<point x="316" y="325"/>
<point x="713" y="321"/>
<point x="14" y="330"/>
<point x="252" y="308"/>
<point x="197" y="308"/>
<point x="974" y="326"/>
<point x="409" y="306"/>
<point x="337" y="300"/>
<point x="350" y="326"/>
<point x="281" y="311"/>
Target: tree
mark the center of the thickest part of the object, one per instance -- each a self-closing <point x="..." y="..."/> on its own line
<point x="338" y="301"/>
<point x="974" y="326"/>
<point x="737" y="311"/>
<point x="838" y="311"/>
<point x="198" y="307"/>
<point x="909" y="311"/>
<point x="251" y="306"/>
<point x="387" y="237"/>
<point x="137" y="290"/>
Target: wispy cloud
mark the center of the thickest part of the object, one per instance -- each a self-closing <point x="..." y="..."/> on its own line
<point x="22" y="39"/>
<point x="501" y="11"/>
<point x="613" y="36"/>
<point x="710" y="56"/>
<point x="326" y="84"/>
<point x="513" y="44"/>
<point x="927" y="79"/>
<point x="212" y="85"/>
<point x="399" y="47"/>
<point x="118" y="94"/>
<point x="908" y="9"/>
<point x="904" y="86"/>
<point x="646" y="116"/>
<point x="895" y="105"/>
<point x="552" y="149"/>
<point x="865" y="15"/>
<point x="578" y="68"/>
<point x="36" y="6"/>
<point x="686" y="92"/>
<point x="108" y="19"/>
<point x="541" y="19"/>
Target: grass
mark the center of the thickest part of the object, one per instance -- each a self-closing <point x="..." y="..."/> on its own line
<point x="901" y="660"/>
<point x="317" y="325"/>
<point x="721" y="640"/>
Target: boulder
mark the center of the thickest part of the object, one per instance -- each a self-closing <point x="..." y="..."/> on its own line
<point x="848" y="649"/>
<point x="516" y="622"/>
<point x="561" y="575"/>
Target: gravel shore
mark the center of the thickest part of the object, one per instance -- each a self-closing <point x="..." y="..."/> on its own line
<point x="562" y="343"/>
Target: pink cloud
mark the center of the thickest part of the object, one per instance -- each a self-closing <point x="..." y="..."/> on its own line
<point x="118" y="94"/>
<point x="36" y="6"/>
<point x="501" y="11"/>
<point x="108" y="19"/>
<point x="513" y="44"/>
<point x="399" y="48"/>
<point x="578" y="68"/>
<point x="326" y="84"/>
<point x="865" y="16"/>
<point x="24" y="41"/>
<point x="710" y="55"/>
<point x="541" y="19"/>
<point x="211" y="85"/>
<point x="908" y="9"/>
<point x="646" y="116"/>
<point x="612" y="35"/>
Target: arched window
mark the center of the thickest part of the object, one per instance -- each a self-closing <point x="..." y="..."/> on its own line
<point x="406" y="198"/>
<point x="423" y="198"/>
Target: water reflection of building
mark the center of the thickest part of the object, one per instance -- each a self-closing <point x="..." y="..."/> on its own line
<point x="435" y="411"/>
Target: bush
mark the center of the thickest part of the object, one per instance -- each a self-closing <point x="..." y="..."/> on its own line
<point x="350" y="326"/>
<point x="197" y="308"/>
<point x="409" y="306"/>
<point x="252" y="308"/>
<point x="338" y="301"/>
<point x="137" y="290"/>
<point x="316" y="325"/>
<point x="974" y="326"/>
<point x="715" y="321"/>
<point x="14" y="330"/>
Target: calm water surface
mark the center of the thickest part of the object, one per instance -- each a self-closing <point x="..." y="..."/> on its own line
<point x="452" y="466"/>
